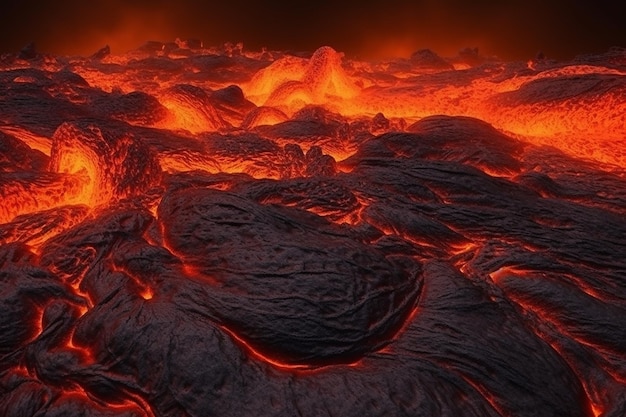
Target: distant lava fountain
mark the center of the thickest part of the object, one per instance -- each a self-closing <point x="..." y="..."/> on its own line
<point x="189" y="231"/>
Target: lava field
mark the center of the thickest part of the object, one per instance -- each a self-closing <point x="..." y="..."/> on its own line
<point x="190" y="231"/>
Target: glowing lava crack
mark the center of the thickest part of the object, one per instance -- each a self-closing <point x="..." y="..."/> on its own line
<point x="200" y="232"/>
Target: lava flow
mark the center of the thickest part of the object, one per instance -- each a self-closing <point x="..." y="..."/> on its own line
<point x="190" y="231"/>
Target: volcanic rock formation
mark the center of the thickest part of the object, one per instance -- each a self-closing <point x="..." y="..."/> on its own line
<point x="190" y="231"/>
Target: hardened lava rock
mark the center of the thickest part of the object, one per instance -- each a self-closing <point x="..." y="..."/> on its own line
<point x="190" y="231"/>
<point x="295" y="287"/>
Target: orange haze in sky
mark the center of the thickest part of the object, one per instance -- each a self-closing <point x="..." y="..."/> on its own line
<point x="365" y="29"/>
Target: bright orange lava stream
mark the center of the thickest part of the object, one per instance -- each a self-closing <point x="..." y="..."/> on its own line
<point x="517" y="100"/>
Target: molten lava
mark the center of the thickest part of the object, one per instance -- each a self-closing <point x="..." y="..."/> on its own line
<point x="210" y="231"/>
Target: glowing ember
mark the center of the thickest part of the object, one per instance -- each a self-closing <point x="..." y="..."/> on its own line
<point x="211" y="231"/>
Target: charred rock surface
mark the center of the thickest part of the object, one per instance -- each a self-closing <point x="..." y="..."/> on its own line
<point x="293" y="286"/>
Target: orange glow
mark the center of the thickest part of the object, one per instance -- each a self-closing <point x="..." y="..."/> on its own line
<point x="142" y="288"/>
<point x="275" y="362"/>
<point x="41" y="193"/>
<point x="407" y="322"/>
<point x="506" y="271"/>
<point x="263" y="116"/>
<point x="289" y="83"/>
<point x="34" y="141"/>
<point x="303" y="129"/>
<point x="519" y="272"/>
<point x="73" y="161"/>
<point x="132" y="404"/>
<point x="592" y="128"/>
<point x="589" y="127"/>
<point x="37" y="228"/>
<point x="76" y="391"/>
<point x="486" y="395"/>
<point x="190" y="109"/>
<point x="262" y="358"/>
<point x="463" y="248"/>
<point x="147" y="293"/>
<point x="597" y="410"/>
<point x="547" y="315"/>
<point x="38" y="324"/>
<point x="84" y="352"/>
<point x="356" y="217"/>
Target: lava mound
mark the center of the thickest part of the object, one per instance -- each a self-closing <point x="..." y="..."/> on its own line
<point x="190" y="231"/>
<point x="295" y="287"/>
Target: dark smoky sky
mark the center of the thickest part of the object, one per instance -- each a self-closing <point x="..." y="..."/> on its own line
<point x="514" y="29"/>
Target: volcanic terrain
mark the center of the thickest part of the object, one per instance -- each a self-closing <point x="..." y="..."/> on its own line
<point x="190" y="231"/>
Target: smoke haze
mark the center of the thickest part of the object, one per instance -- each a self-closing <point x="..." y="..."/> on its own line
<point x="367" y="29"/>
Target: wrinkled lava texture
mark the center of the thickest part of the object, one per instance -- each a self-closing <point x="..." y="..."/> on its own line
<point x="191" y="231"/>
